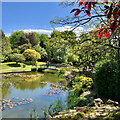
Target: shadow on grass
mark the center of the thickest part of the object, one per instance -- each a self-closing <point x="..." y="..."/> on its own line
<point x="14" y="65"/>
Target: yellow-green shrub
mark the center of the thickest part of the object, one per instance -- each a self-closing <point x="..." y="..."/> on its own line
<point x="31" y="55"/>
<point x="82" y="84"/>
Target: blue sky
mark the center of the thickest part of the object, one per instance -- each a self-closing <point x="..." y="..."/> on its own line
<point x="30" y="15"/>
<point x="34" y="17"/>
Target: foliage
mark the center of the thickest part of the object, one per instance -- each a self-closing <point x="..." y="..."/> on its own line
<point x="16" y="57"/>
<point x="63" y="69"/>
<point x="6" y="47"/>
<point x="34" y="69"/>
<point x="44" y="112"/>
<point x="32" y="38"/>
<point x="113" y="116"/>
<point x="16" y="50"/>
<point x="104" y="12"/>
<point x="58" y="49"/>
<point x="90" y="49"/>
<point x="18" y="38"/>
<point x="23" y="47"/>
<point x="79" y="115"/>
<point x="70" y="36"/>
<point x="73" y="100"/>
<point x="41" y="51"/>
<point x="53" y="108"/>
<point x="104" y="15"/>
<point x="43" y="40"/>
<point x="55" y="33"/>
<point x="82" y="84"/>
<point x="107" y="79"/>
<point x="58" y="106"/>
<point x="34" y="114"/>
<point x="31" y="55"/>
<point x="72" y="58"/>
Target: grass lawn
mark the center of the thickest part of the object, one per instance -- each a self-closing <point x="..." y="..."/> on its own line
<point x="11" y="66"/>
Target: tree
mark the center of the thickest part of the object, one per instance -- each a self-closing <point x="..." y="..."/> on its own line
<point x="72" y="58"/>
<point x="23" y="47"/>
<point x="69" y="36"/>
<point x="90" y="49"/>
<point x="55" y="34"/>
<point x="41" y="51"/>
<point x="6" y="47"/>
<point x="57" y="48"/>
<point x="43" y="40"/>
<point x="17" y="58"/>
<point x="31" y="55"/>
<point x="16" y="50"/>
<point x="105" y="15"/>
<point x="33" y="38"/>
<point x="18" y="38"/>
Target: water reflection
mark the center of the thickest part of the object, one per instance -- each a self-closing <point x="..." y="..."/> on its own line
<point x="43" y="89"/>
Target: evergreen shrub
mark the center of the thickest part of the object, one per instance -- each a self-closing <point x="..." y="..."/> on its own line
<point x="107" y="79"/>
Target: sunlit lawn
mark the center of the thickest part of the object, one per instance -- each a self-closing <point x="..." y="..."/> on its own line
<point x="12" y="67"/>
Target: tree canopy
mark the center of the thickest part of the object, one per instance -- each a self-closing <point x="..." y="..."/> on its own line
<point x="18" y="38"/>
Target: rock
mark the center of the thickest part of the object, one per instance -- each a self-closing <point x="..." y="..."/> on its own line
<point x="104" y="114"/>
<point x="55" y="114"/>
<point x="96" y="102"/>
<point x="92" y="115"/>
<point x="97" y="114"/>
<point x="80" y="109"/>
<point x="111" y="102"/>
<point x="86" y="93"/>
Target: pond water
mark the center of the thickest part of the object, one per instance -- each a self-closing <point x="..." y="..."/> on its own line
<point x="23" y="92"/>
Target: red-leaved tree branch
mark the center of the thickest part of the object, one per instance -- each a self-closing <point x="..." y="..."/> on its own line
<point x="111" y="11"/>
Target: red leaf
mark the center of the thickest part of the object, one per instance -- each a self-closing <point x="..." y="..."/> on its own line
<point x="88" y="13"/>
<point x="76" y="13"/>
<point x="103" y="26"/>
<point x="80" y="3"/>
<point x="89" y="7"/>
<point x="95" y="32"/>
<point x="111" y="21"/>
<point x="99" y="36"/>
<point x="106" y="34"/>
<point x="84" y="3"/>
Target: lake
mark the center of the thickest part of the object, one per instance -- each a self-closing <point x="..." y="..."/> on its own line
<point x="23" y="92"/>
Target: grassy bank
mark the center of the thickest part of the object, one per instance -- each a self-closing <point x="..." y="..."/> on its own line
<point x="12" y="67"/>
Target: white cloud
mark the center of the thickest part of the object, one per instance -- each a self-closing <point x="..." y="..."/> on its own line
<point x="78" y="30"/>
<point x="7" y="34"/>
<point x="40" y="31"/>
